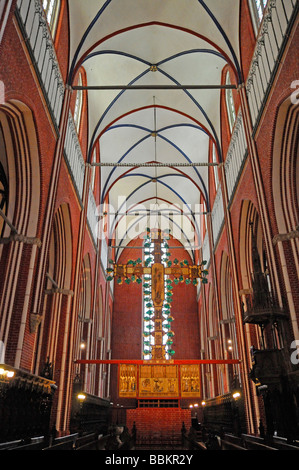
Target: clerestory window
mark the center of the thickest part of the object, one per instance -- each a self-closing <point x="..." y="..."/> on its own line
<point x="216" y="176"/>
<point x="93" y="171"/>
<point x="257" y="9"/>
<point x="78" y="105"/>
<point x="51" y="8"/>
<point x="230" y="104"/>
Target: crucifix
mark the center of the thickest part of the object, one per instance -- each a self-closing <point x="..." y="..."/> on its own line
<point x="157" y="268"/>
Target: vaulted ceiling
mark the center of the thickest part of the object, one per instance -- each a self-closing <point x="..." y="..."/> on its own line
<point x="140" y="53"/>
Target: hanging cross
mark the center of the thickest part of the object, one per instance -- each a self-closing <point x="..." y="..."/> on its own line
<point x="133" y="271"/>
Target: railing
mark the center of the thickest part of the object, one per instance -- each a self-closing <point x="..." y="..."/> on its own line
<point x="236" y="156"/>
<point x="273" y="32"/>
<point x="76" y="165"/>
<point x="270" y="43"/>
<point x="34" y="26"/>
<point x="33" y="22"/>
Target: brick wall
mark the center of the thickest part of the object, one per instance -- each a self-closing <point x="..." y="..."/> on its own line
<point x="168" y="420"/>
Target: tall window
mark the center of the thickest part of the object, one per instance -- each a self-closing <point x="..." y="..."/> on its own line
<point x="93" y="170"/>
<point x="230" y="104"/>
<point x="78" y="105"/>
<point x="216" y="176"/>
<point x="257" y="8"/>
<point x="51" y="8"/>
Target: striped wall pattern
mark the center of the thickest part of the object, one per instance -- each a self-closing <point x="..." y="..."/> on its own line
<point x="270" y="42"/>
<point x="34" y="25"/>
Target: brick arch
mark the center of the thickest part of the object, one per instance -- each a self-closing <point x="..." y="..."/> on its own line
<point x="22" y="166"/>
<point x="228" y="308"/>
<point x="285" y="196"/>
<point x="58" y="282"/>
<point x="83" y="341"/>
<point x="285" y="182"/>
<point x="55" y="323"/>
<point x="21" y="163"/>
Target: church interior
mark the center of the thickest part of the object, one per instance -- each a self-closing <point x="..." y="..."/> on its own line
<point x="149" y="219"/>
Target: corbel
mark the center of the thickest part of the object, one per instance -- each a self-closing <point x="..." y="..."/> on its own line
<point x="56" y="289"/>
<point x="35" y="320"/>
<point x="282" y="237"/>
<point x="15" y="236"/>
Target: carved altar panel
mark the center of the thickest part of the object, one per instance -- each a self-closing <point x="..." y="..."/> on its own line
<point x="127" y="380"/>
<point x="190" y="380"/>
<point x="158" y="380"/>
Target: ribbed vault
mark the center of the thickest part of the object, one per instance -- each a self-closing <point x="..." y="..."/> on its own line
<point x="154" y="72"/>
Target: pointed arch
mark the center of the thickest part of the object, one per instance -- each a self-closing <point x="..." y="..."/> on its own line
<point x="58" y="287"/>
<point x="229" y="333"/>
<point x="285" y="195"/>
<point x="20" y="161"/>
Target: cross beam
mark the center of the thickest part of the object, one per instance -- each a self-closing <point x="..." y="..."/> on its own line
<point x="124" y="270"/>
<point x="154" y="165"/>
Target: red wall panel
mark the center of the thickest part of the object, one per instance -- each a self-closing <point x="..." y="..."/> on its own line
<point x="170" y="420"/>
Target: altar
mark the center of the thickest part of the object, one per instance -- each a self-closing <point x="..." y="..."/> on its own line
<point x="158" y="380"/>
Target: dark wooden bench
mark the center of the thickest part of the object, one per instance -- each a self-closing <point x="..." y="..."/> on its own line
<point x="63" y="443"/>
<point x="9" y="445"/>
<point x="88" y="442"/>
<point x="227" y="445"/>
<point x="256" y="443"/>
<point x="192" y="444"/>
<point x="36" y="443"/>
